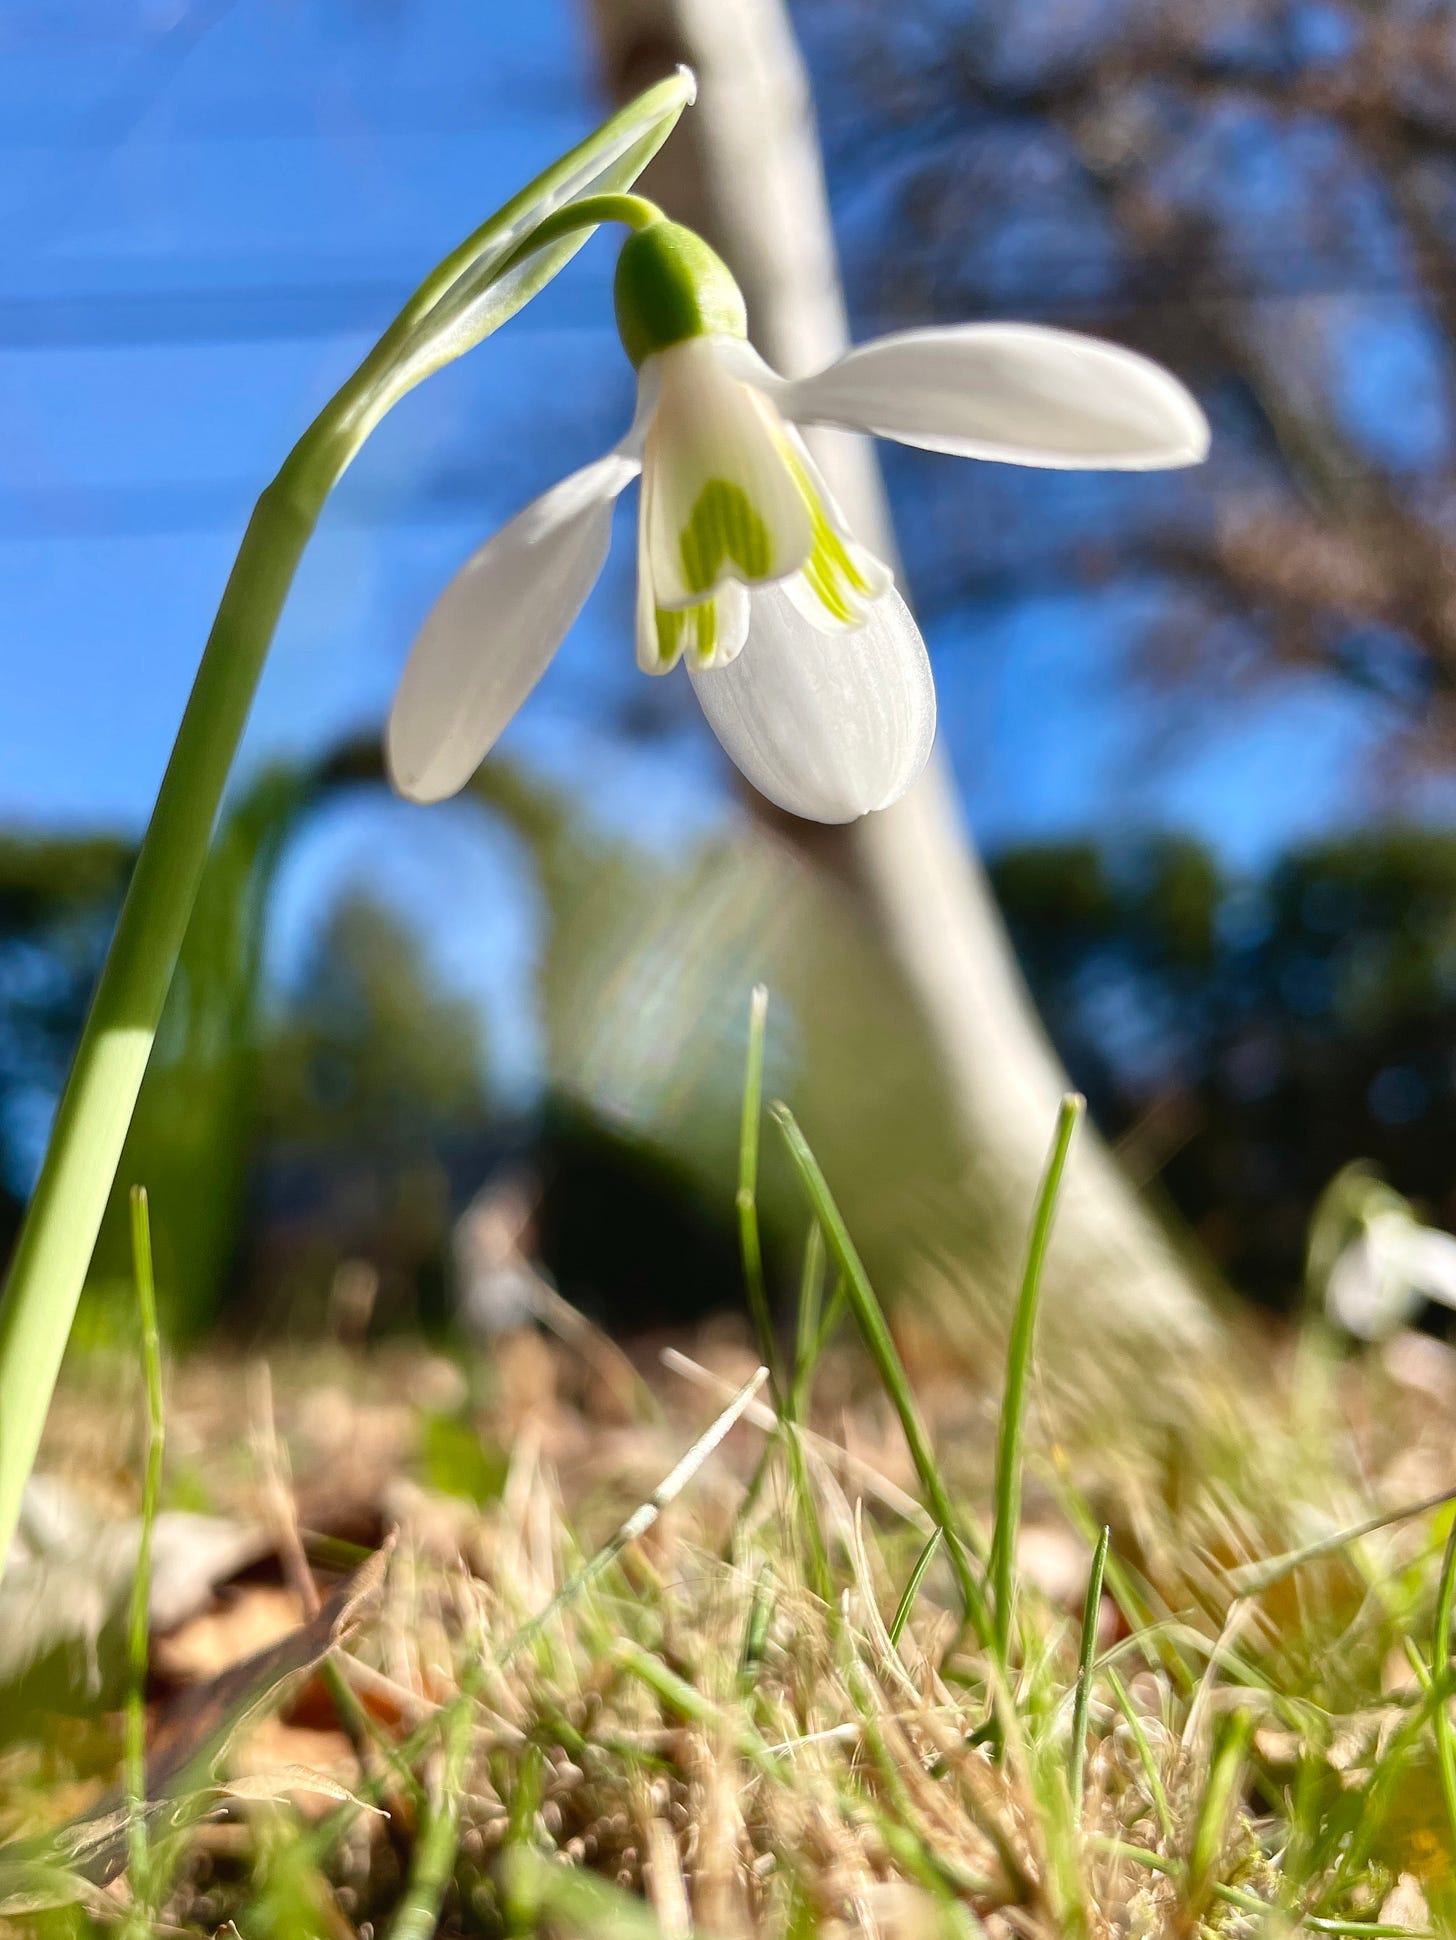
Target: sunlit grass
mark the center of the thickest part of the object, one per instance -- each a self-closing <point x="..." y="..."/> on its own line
<point x="692" y="1662"/>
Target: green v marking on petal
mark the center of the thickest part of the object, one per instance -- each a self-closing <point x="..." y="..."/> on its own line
<point x="693" y="627"/>
<point x="829" y="570"/>
<point x="723" y="525"/>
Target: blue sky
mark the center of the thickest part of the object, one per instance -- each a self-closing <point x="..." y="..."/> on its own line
<point x="209" y="211"/>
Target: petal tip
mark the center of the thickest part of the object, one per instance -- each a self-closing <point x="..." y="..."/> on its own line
<point x="1193" y="437"/>
<point x="412" y="781"/>
<point x="827" y="727"/>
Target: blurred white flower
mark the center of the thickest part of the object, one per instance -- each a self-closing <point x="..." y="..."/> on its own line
<point x="804" y="657"/>
<point x="1388" y="1265"/>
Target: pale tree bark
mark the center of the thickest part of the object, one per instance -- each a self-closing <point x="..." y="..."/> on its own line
<point x="744" y="168"/>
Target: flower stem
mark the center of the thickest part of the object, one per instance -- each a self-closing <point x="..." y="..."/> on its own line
<point x="635" y="212"/>
<point x="461" y="301"/>
<point x="138" y="1637"/>
<point x="56" y="1241"/>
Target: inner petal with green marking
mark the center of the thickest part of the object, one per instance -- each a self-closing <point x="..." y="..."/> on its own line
<point x="723" y="526"/>
<point x="840" y="578"/>
<point x="722" y="505"/>
<point x="710" y="632"/>
<point x="687" y="629"/>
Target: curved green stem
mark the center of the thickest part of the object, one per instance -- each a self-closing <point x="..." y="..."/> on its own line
<point x="462" y="301"/>
<point x="54" y="1249"/>
<point x="587" y="212"/>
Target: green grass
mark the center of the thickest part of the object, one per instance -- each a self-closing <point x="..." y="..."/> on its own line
<point x="737" y="1668"/>
<point x="1011" y="1435"/>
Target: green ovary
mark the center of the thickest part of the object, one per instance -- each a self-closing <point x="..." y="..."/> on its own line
<point x="723" y="525"/>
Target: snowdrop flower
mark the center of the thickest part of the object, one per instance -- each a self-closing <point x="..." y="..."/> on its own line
<point x="1389" y="1265"/>
<point x="802" y="653"/>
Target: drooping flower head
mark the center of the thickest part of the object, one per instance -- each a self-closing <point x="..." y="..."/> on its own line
<point x="804" y="657"/>
<point x="1372" y="1262"/>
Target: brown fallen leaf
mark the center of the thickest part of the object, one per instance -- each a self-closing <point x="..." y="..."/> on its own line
<point x="191" y="1731"/>
<point x="268" y="1759"/>
<point x="248" y="1621"/>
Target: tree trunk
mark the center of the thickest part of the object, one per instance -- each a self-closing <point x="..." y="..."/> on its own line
<point x="744" y="168"/>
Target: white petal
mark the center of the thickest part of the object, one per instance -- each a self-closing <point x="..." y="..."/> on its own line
<point x="1017" y="392"/>
<point x="1430" y="1261"/>
<point x="1369" y="1291"/>
<point x="828" y="726"/>
<point x="719" y="499"/>
<point x="493" y="630"/>
<point x="649" y="656"/>
<point x="711" y="633"/>
<point x="840" y="580"/>
<point x="735" y="616"/>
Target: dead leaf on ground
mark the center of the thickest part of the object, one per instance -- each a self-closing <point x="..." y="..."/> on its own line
<point x="298" y="1762"/>
<point x="248" y="1621"/>
<point x="193" y="1730"/>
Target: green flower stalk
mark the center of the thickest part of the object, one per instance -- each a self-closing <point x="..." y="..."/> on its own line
<point x="481" y="284"/>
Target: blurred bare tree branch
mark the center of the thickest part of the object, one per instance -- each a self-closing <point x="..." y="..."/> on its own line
<point x="1265" y="197"/>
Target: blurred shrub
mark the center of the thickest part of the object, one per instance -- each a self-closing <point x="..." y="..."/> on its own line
<point x="1244" y="1039"/>
<point x="1249" y="1038"/>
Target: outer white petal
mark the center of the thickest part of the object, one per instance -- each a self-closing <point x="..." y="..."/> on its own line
<point x="828" y="726"/>
<point x="1017" y="392"/>
<point x="493" y="630"/>
<point x="1430" y="1261"/>
<point x="1366" y="1292"/>
<point x="1379" y="1279"/>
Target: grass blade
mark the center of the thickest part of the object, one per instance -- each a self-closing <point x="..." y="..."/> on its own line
<point x="1251" y="1579"/>
<point x="640" y="1520"/>
<point x="1440" y="1667"/>
<point x="755" y="1631"/>
<point x="912" y="1588"/>
<point x="875" y="1332"/>
<point x="808" y="1341"/>
<point x="1157" y="1791"/>
<point x="438" y="1845"/>
<point x="1011" y="1440"/>
<point x="574" y="1901"/>
<point x="1085" y="1655"/>
<point x="750" y="1240"/>
<point x="1216" y="1809"/>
